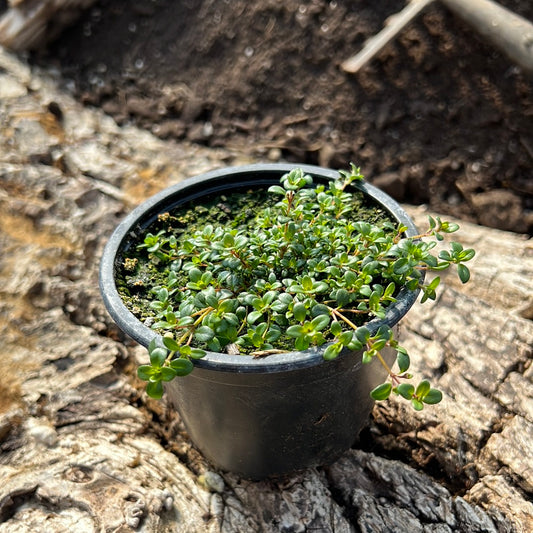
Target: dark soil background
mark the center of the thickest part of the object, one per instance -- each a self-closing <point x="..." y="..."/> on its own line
<point x="439" y="117"/>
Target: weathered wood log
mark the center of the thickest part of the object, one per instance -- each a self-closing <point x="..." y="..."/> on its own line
<point x="508" y="32"/>
<point x="83" y="449"/>
<point x="29" y="24"/>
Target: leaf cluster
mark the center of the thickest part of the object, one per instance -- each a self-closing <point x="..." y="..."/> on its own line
<point x="303" y="272"/>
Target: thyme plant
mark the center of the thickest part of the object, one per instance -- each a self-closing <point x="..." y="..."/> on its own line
<point x="302" y="273"/>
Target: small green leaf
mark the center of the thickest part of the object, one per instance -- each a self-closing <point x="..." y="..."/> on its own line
<point x="197" y="353"/>
<point x="195" y="275"/>
<point x="464" y="273"/>
<point x="422" y="389"/>
<point x="367" y="356"/>
<point x="182" y="366"/>
<point x="253" y="317"/>
<point x="171" y="344"/>
<point x="307" y="283"/>
<point x="332" y="351"/>
<point x="302" y="343"/>
<point x="299" y="311"/>
<point x="342" y="297"/>
<point x="228" y="240"/>
<point x="276" y="189"/>
<point x="402" y="358"/>
<point x="401" y="266"/>
<point x="167" y="373"/>
<point x="346" y="338"/>
<point x="158" y="356"/>
<point x="379" y="344"/>
<point x="320" y="322"/>
<point x="417" y="404"/>
<point x="155" y="390"/>
<point x="362" y="334"/>
<point x="335" y="328"/>
<point x="295" y="331"/>
<point x="145" y="372"/>
<point x="381" y="392"/>
<point x="355" y="345"/>
<point x="406" y="390"/>
<point x="433" y="396"/>
<point x="204" y="333"/>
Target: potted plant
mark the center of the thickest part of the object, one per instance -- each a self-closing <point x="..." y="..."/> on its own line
<point x="276" y="289"/>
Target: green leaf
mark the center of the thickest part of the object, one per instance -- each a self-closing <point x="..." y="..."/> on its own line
<point x="417" y="404"/>
<point x="362" y="334"/>
<point x="389" y="291"/>
<point x="433" y="396"/>
<point x="162" y="294"/>
<point x="197" y="353"/>
<point x="332" y="351"/>
<point x="367" y="356"/>
<point x="464" y="273"/>
<point x="402" y="358"/>
<point x="422" y="389"/>
<point x="307" y="283"/>
<point x="295" y="331"/>
<point x="276" y="189"/>
<point x="346" y="337"/>
<point x="302" y="343"/>
<point x="406" y="390"/>
<point x="158" y="356"/>
<point x="379" y="344"/>
<point x="154" y="390"/>
<point x="253" y="317"/>
<point x="228" y="240"/>
<point x="381" y="392"/>
<point x="167" y="373"/>
<point x="401" y="266"/>
<point x="355" y="345"/>
<point x="153" y="344"/>
<point x="182" y="366"/>
<point x="171" y="344"/>
<point x="335" y="328"/>
<point x="342" y="297"/>
<point x="299" y="311"/>
<point x="204" y="334"/>
<point x="145" y="372"/>
<point x="214" y="345"/>
<point x="320" y="322"/>
<point x="195" y="275"/>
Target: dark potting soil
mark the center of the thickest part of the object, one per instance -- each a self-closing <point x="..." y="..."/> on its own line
<point x="439" y="117"/>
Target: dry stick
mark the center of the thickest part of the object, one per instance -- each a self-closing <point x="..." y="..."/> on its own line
<point x="393" y="25"/>
<point x="507" y="31"/>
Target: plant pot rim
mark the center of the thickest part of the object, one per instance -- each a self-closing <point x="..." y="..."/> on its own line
<point x="261" y="174"/>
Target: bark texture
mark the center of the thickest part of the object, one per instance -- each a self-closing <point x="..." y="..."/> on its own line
<point x="83" y="449"/>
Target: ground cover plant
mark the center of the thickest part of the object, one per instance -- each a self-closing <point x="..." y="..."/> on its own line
<point x="307" y="265"/>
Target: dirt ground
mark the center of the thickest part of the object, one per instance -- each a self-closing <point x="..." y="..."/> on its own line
<point x="440" y="117"/>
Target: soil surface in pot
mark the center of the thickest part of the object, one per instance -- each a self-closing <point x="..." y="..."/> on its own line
<point x="440" y="117"/>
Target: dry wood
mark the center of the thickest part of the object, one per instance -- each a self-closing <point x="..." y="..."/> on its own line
<point x="29" y="24"/>
<point x="393" y="25"/>
<point x="81" y="447"/>
<point x="507" y="31"/>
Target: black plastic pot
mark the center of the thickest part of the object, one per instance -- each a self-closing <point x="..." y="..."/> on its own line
<point x="269" y="416"/>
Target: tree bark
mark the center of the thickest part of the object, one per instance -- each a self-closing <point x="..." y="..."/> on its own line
<point x="83" y="449"/>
